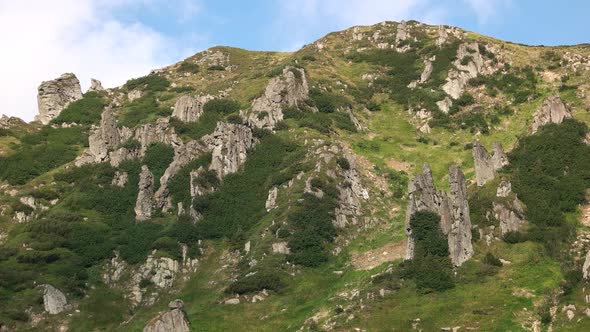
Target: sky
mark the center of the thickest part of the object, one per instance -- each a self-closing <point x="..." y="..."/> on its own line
<point x="114" y="40"/>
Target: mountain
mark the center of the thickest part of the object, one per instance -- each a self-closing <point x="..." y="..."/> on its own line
<point x="398" y="176"/>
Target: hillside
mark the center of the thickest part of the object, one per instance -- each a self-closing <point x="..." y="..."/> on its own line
<point x="397" y="177"/>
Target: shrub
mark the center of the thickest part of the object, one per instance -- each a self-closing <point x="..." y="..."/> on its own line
<point x="188" y="67"/>
<point x="85" y="111"/>
<point x="257" y="282"/>
<point x="235" y="119"/>
<point x="490" y="259"/>
<point x="182" y="89"/>
<point x="158" y="157"/>
<point x="343" y="163"/>
<point x="179" y="185"/>
<point x="149" y="83"/>
<point x="326" y="102"/>
<point x="216" y="67"/>
<point x="141" y="110"/>
<point x="514" y="237"/>
<point x="223" y="106"/>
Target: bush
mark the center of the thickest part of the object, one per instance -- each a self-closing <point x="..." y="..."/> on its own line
<point x="326" y="102"/>
<point x="235" y="119"/>
<point x="188" y="67"/>
<point x="514" y="237"/>
<point x="257" y="282"/>
<point x="158" y="157"/>
<point x="490" y="259"/>
<point x="142" y="110"/>
<point x="149" y="83"/>
<point x="85" y="111"/>
<point x="223" y="106"/>
<point x="343" y="163"/>
<point x="216" y="67"/>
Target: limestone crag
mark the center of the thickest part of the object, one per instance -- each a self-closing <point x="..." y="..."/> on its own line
<point x="423" y="196"/>
<point x="271" y="201"/>
<point x="428" y="67"/>
<point x="511" y="216"/>
<point x="7" y="122"/>
<point x="486" y="166"/>
<point x="95" y="86"/>
<point x="120" y="179"/>
<point x="453" y="210"/>
<point x="229" y="147"/>
<point x="469" y="64"/>
<point x="55" y="95"/>
<point x="288" y="89"/>
<point x="105" y="138"/>
<point x="504" y="189"/>
<point x="113" y="270"/>
<point x="173" y="320"/>
<point x="586" y="266"/>
<point x="144" y="202"/>
<point x="459" y="237"/>
<point x="188" y="108"/>
<point x="54" y="300"/>
<point x="553" y="110"/>
<point x="350" y="197"/>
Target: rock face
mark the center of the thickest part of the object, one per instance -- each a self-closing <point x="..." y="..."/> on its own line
<point x="486" y="166"/>
<point x="104" y="138"/>
<point x="423" y="196"/>
<point x="95" y="85"/>
<point x="453" y="210"/>
<point x="145" y="197"/>
<point x="55" y="95"/>
<point x="504" y="189"/>
<point x="229" y="145"/>
<point x="54" y="300"/>
<point x="174" y="320"/>
<point x="289" y="89"/>
<point x="7" y="122"/>
<point x="510" y="216"/>
<point x="469" y="64"/>
<point x="188" y="108"/>
<point x="350" y="197"/>
<point x="553" y="110"/>
<point x="272" y="198"/>
<point x="459" y="239"/>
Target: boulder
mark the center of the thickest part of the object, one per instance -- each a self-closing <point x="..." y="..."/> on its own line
<point x="188" y="108"/>
<point x="445" y="105"/>
<point x="55" y="95"/>
<point x="120" y="179"/>
<point x="510" y="216"/>
<point x="553" y="110"/>
<point x="54" y="300"/>
<point x="288" y="89"/>
<point x="229" y="144"/>
<point x="145" y="197"/>
<point x="174" y="320"/>
<point x="459" y="237"/>
<point x="280" y="248"/>
<point x="7" y="122"/>
<point x="95" y="86"/>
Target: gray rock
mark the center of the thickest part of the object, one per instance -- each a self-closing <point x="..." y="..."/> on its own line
<point x="288" y="89"/>
<point x="229" y="144"/>
<point x="280" y="248"/>
<point x="586" y="266"/>
<point x="188" y="108"/>
<point x="351" y="194"/>
<point x="486" y="166"/>
<point x="174" y="320"/>
<point x="511" y="216"/>
<point x="459" y="237"/>
<point x="134" y="94"/>
<point x="120" y="179"/>
<point x="445" y="105"/>
<point x="54" y="300"/>
<point x="272" y="198"/>
<point x="145" y="197"/>
<point x="423" y="196"/>
<point x="95" y="85"/>
<point x="459" y="76"/>
<point x="442" y="36"/>
<point x="102" y="140"/>
<point x="504" y="189"/>
<point x="553" y="110"/>
<point x="55" y="95"/>
<point x="7" y="122"/>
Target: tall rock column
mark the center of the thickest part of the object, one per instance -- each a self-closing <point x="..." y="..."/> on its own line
<point x="486" y="166"/>
<point x="229" y="145"/>
<point x="145" y="197"/>
<point x="553" y="110"/>
<point x="55" y="95"/>
<point x="459" y="238"/>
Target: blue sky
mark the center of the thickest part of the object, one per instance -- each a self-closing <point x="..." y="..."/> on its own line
<point x="114" y="40"/>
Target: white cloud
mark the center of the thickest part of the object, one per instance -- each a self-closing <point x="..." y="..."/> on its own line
<point x="42" y="39"/>
<point x="485" y="10"/>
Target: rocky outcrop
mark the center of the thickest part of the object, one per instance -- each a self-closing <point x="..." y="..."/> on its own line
<point x="288" y="89"/>
<point x="173" y="320"/>
<point x="423" y="196"/>
<point x="504" y="189"/>
<point x="351" y="194"/>
<point x="120" y="179"/>
<point x="95" y="86"/>
<point x="113" y="270"/>
<point x="469" y="64"/>
<point x="7" y="122"/>
<point x="54" y="300"/>
<point x="445" y="105"/>
<point x="586" y="266"/>
<point x="159" y="132"/>
<point x="486" y="166"/>
<point x="443" y="36"/>
<point x="510" y="216"/>
<point x="553" y="110"/>
<point x="459" y="237"/>
<point x="271" y="201"/>
<point x="402" y="34"/>
<point x="105" y="138"/>
<point x="229" y="146"/>
<point x="453" y="210"/>
<point x="189" y="108"/>
<point x="280" y="248"/>
<point x="426" y="72"/>
<point x="145" y="197"/>
<point x="55" y="95"/>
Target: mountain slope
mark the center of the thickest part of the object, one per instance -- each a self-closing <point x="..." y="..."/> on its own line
<point x="267" y="190"/>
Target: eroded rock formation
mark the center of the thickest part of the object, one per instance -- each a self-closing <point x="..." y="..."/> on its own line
<point x="486" y="166"/>
<point x="553" y="110"/>
<point x="55" y="95"/>
<point x="229" y="147"/>
<point x="95" y="85"/>
<point x="54" y="300"/>
<point x="288" y="89"/>
<point x="173" y="320"/>
<point x="459" y="236"/>
<point x="586" y="266"/>
<point x="189" y="108"/>
<point x="272" y="198"/>
<point x="145" y="197"/>
<point x="511" y="215"/>
<point x="469" y="64"/>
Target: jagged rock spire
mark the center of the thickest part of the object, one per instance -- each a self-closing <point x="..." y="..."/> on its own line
<point x="486" y="166"/>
